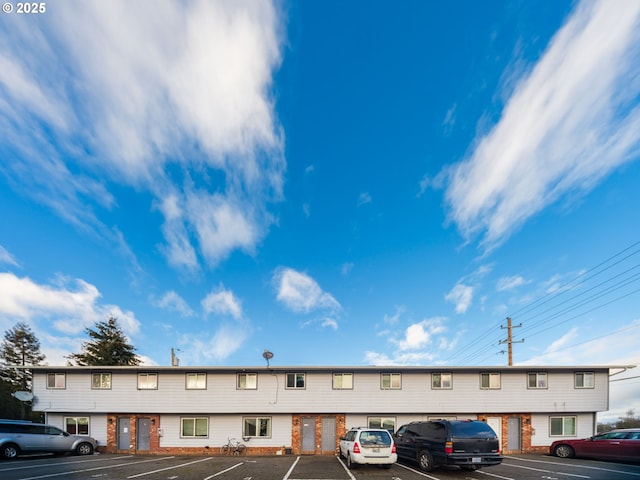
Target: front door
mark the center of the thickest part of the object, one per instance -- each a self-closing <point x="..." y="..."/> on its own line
<point x="143" y="434"/>
<point x="513" y="434"/>
<point x="124" y="439"/>
<point x="329" y="434"/>
<point x="308" y="435"/>
<point x="496" y="424"/>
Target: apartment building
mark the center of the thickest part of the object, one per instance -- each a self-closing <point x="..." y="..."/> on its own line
<point x="305" y="410"/>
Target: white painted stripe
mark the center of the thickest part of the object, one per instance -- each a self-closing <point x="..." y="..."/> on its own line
<point x="40" y="465"/>
<point x="286" y="477"/>
<point x="545" y="471"/>
<point x="170" y="468"/>
<point x="564" y="464"/>
<point x="417" y="471"/>
<point x="346" y="469"/>
<point x="224" y="471"/>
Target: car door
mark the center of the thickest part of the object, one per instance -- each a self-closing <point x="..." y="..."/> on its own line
<point x="605" y="446"/>
<point x="31" y="438"/>
<point x="630" y="446"/>
<point x="58" y="440"/>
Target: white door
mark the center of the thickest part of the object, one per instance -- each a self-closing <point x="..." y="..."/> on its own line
<point x="496" y="424"/>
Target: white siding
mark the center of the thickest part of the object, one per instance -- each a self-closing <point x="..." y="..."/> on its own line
<point x="97" y="424"/>
<point x="585" y="427"/>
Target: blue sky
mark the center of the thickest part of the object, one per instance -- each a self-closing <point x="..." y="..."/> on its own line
<point x="342" y="183"/>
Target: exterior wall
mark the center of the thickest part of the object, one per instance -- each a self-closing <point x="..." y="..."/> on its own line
<point x="225" y="405"/>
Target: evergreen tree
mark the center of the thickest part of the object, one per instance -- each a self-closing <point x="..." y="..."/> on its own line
<point x="21" y="348"/>
<point x="108" y="347"/>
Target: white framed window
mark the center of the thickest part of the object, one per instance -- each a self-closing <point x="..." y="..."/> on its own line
<point x="77" y="425"/>
<point x="296" y="381"/>
<point x="147" y="381"/>
<point x="585" y="380"/>
<point x="194" y="427"/>
<point x="562" y="426"/>
<point x="391" y="381"/>
<point x="196" y="381"/>
<point x="442" y="381"/>
<point x="388" y="423"/>
<point x="100" y="381"/>
<point x="247" y="381"/>
<point x="490" y="381"/>
<point x="343" y="381"/>
<point x="537" y="380"/>
<point x="56" y="380"/>
<point x="256" y="427"/>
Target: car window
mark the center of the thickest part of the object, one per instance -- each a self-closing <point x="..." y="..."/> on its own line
<point x="375" y="438"/>
<point x="633" y="436"/>
<point x="53" y="431"/>
<point x="611" y="436"/>
<point x="435" y="430"/>
<point x="472" y="430"/>
<point x="401" y="431"/>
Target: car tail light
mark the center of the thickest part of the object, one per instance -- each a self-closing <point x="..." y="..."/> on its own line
<point x="393" y="448"/>
<point x="356" y="448"/>
<point x="448" y="447"/>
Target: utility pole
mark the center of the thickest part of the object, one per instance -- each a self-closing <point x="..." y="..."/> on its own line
<point x="509" y="341"/>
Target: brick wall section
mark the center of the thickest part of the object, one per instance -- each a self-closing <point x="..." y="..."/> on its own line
<point x="526" y="433"/>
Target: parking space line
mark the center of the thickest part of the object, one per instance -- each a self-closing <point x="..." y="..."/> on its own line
<point x="169" y="468"/>
<point x="588" y="467"/>
<point x="482" y="472"/>
<point x="40" y="465"/>
<point x="417" y="471"/>
<point x="286" y="477"/>
<point x="546" y="471"/>
<point x="84" y="470"/>
<point x="346" y="469"/>
<point x="224" y="471"/>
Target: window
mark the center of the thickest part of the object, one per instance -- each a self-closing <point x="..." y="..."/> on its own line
<point x="247" y="381"/>
<point x="537" y="380"/>
<point x="296" y="380"/>
<point x="147" y="381"/>
<point x="388" y="423"/>
<point x="585" y="380"/>
<point x="562" y="426"/>
<point x="343" y="381"/>
<point x="441" y="380"/>
<point x="194" y="427"/>
<point x="77" y="425"/>
<point x="100" y="381"/>
<point x="256" y="427"/>
<point x="390" y="381"/>
<point x="196" y="381"/>
<point x="56" y="380"/>
<point x="490" y="381"/>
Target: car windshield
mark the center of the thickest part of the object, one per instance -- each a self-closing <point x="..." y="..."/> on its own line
<point x="472" y="429"/>
<point x="375" y="438"/>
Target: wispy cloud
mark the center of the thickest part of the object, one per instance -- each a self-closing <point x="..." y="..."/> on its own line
<point x="461" y="296"/>
<point x="7" y="258"/>
<point x="175" y="303"/>
<point x="509" y="283"/>
<point x="222" y="302"/>
<point x="191" y="122"/>
<point x="364" y="198"/>
<point x="300" y="293"/>
<point x="569" y="123"/>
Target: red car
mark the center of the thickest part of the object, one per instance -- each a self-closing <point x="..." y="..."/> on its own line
<point x="622" y="444"/>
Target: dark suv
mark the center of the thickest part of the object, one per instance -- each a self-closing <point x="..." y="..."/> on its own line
<point x="470" y="444"/>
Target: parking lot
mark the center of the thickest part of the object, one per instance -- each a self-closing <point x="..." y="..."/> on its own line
<point x="121" y="467"/>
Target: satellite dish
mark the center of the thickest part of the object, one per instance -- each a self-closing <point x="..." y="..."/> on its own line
<point x="23" y="396"/>
<point x="267" y="355"/>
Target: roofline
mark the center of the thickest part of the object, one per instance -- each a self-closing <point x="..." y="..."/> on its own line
<point x="325" y="368"/>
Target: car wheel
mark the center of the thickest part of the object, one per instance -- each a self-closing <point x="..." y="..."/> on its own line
<point x="564" y="451"/>
<point x="84" y="449"/>
<point x="10" y="451"/>
<point x="425" y="461"/>
<point x="350" y="464"/>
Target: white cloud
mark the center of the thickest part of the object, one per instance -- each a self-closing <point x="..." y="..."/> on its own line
<point x="301" y="293"/>
<point x="6" y="257"/>
<point x="199" y="349"/>
<point x="509" y="283"/>
<point x="461" y="295"/>
<point x="346" y="268"/>
<point x="569" y="123"/>
<point x="330" y="323"/>
<point x="173" y="302"/>
<point x="364" y="198"/>
<point x="405" y="358"/>
<point x="419" y="335"/>
<point x="393" y="319"/>
<point x="108" y="89"/>
<point x="222" y="302"/>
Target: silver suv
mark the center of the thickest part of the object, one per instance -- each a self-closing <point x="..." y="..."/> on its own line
<point x="373" y="446"/>
<point x="17" y="437"/>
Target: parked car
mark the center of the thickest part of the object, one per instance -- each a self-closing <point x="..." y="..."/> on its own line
<point x="470" y="444"/>
<point x="17" y="437"/>
<point x="621" y="444"/>
<point x="373" y="446"/>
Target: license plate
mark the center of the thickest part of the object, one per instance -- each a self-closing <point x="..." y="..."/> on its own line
<point x="476" y="459"/>
<point x="376" y="450"/>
